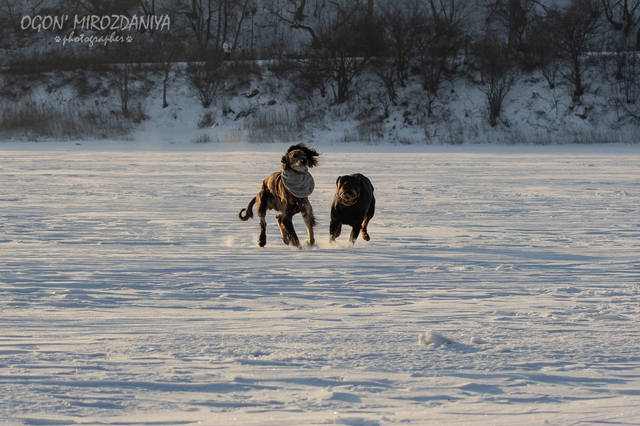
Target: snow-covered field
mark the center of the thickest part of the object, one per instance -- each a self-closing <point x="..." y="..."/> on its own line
<point x="498" y="288"/>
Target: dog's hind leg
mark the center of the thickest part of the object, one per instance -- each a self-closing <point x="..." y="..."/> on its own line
<point x="309" y="221"/>
<point x="262" y="213"/>
<point x="372" y="210"/>
<point x="262" y="239"/>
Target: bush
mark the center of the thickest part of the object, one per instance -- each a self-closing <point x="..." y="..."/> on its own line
<point x="206" y="78"/>
<point x="495" y="65"/>
<point x="207" y="120"/>
<point x="627" y="95"/>
<point x="496" y="92"/>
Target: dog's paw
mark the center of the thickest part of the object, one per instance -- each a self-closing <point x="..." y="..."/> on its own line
<point x="365" y="236"/>
<point x="311" y="243"/>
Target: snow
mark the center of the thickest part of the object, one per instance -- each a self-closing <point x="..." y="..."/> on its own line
<point x="130" y="293"/>
<point x="269" y="107"/>
<point x="432" y="338"/>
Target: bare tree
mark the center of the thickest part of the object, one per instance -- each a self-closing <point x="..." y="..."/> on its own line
<point x="387" y="75"/>
<point x="214" y="22"/>
<point x="628" y="90"/>
<point x="497" y="89"/>
<point x="630" y="87"/>
<point x="293" y="14"/>
<point x="148" y="6"/>
<point x="11" y="13"/>
<point x="13" y="10"/>
<point x="165" y="80"/>
<point x="623" y="17"/>
<point x="121" y="77"/>
<point x="402" y="25"/>
<point x="168" y="49"/>
<point x="200" y="15"/>
<point x="124" y="88"/>
<point x="541" y="48"/>
<point x="314" y="75"/>
<point x="206" y="78"/>
<point x="340" y="49"/>
<point x="337" y="59"/>
<point x="514" y="16"/>
<point x="573" y="29"/>
<point x="438" y="45"/>
<point x="244" y="9"/>
<point x="100" y="7"/>
<point x="495" y="64"/>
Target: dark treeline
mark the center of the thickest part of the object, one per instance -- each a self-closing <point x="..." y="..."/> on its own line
<point x="330" y="42"/>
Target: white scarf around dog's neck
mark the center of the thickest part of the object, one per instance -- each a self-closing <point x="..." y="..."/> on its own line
<point x="301" y="185"/>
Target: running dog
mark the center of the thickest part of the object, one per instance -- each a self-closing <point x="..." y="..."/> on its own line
<point x="353" y="204"/>
<point x="287" y="192"/>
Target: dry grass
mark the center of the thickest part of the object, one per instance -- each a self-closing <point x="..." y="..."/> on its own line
<point x="277" y="124"/>
<point x="29" y="119"/>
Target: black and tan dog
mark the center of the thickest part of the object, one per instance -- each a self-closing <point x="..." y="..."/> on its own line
<point x="287" y="192"/>
<point x="353" y="204"/>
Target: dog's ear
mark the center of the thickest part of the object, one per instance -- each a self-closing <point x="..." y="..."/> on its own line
<point x="311" y="156"/>
<point x="294" y="147"/>
<point x="338" y="181"/>
<point x="285" y="162"/>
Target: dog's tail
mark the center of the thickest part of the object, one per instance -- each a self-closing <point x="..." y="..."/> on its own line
<point x="248" y="211"/>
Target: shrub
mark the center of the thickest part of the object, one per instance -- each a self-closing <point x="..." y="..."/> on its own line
<point x="206" y="78"/>
<point x="495" y="66"/>
<point x="207" y="120"/>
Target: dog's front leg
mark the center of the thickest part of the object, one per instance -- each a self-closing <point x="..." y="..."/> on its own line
<point x="283" y="229"/>
<point x="335" y="228"/>
<point x="290" y="231"/>
<point x="355" y="231"/>
<point x="309" y="221"/>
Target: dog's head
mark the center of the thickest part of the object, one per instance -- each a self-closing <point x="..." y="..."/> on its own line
<point x="348" y="189"/>
<point x="298" y="158"/>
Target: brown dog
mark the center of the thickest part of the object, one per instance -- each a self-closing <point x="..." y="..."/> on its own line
<point x="287" y="192"/>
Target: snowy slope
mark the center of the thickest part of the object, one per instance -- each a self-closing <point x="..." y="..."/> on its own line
<point x="498" y="288"/>
<point x="531" y="114"/>
<point x="263" y="105"/>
